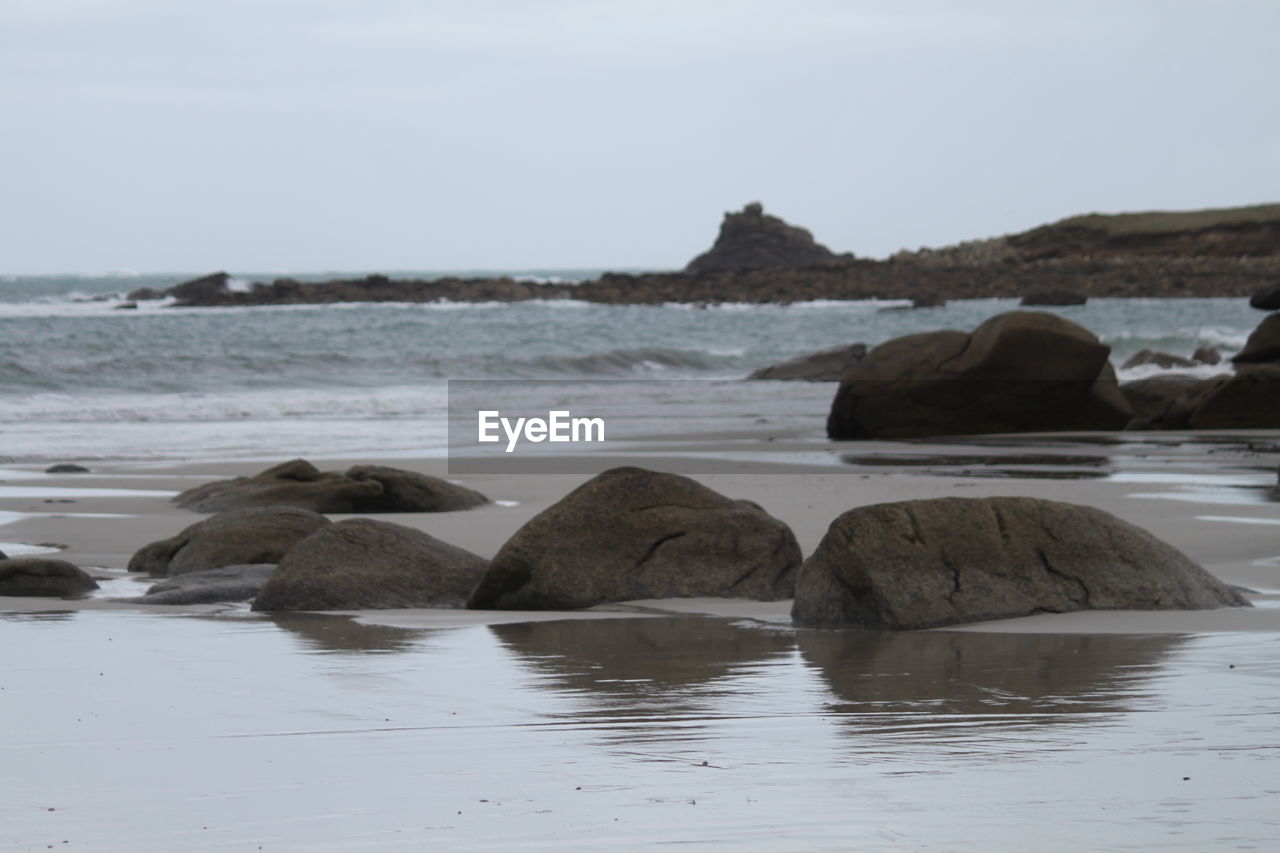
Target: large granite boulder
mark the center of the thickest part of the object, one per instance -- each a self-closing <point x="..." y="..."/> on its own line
<point x="753" y="239"/>
<point x="43" y="578"/>
<point x="826" y="365"/>
<point x="1023" y="371"/>
<point x="211" y="586"/>
<point x="237" y="537"/>
<point x="628" y="534"/>
<point x="364" y="564"/>
<point x="1247" y="399"/>
<point x="362" y="488"/>
<point x="945" y="561"/>
<point x="1267" y="299"/>
<point x="1263" y="344"/>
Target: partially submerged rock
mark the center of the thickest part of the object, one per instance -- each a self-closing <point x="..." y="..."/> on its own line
<point x="629" y="534"/>
<point x="211" y="586"/>
<point x="1053" y="298"/>
<point x="66" y="468"/>
<point x="365" y="564"/>
<point x="752" y="239"/>
<point x="362" y="488"/>
<point x="945" y="561"/>
<point x="1207" y="355"/>
<point x="43" y="578"/>
<point x="1023" y="371"/>
<point x="236" y="537"/>
<point x="826" y="365"/>
<point x="1159" y="359"/>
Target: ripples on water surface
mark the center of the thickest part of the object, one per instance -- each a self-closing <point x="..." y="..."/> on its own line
<point x="316" y="733"/>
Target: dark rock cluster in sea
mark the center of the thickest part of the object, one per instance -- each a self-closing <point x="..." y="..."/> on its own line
<point x="1022" y="371"/>
<point x="1025" y="371"/>
<point x="760" y="258"/>
<point x="751" y="239"/>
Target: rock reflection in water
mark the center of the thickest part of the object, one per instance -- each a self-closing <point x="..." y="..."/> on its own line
<point x="655" y="674"/>
<point x="39" y="616"/>
<point x="969" y="687"/>
<point x="328" y="633"/>
<point x="1041" y="466"/>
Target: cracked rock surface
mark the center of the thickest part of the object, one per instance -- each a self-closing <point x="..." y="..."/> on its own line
<point x="629" y="534"/>
<point x="945" y="561"/>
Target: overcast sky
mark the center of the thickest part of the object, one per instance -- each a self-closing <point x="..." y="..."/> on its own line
<point x="262" y="135"/>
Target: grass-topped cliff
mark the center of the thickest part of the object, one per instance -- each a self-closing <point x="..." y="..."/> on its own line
<point x="1223" y="232"/>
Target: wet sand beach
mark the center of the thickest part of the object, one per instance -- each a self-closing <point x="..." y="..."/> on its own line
<point x="709" y="724"/>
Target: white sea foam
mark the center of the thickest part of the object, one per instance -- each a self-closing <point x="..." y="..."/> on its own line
<point x="357" y="404"/>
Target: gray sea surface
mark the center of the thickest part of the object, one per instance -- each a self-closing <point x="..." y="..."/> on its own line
<point x="80" y="379"/>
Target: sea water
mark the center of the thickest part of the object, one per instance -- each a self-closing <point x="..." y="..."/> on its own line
<point x="82" y="379"/>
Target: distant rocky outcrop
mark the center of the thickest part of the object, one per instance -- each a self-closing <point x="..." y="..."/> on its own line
<point x="822" y="366"/>
<point x="43" y="578"/>
<point x="362" y="488"/>
<point x="751" y="239"/>
<point x="630" y="533"/>
<point x="760" y="258"/>
<point x="235" y="537"/>
<point x="1023" y="371"/>
<point x="364" y="564"/>
<point x="944" y="561"/>
<point x="1224" y="232"/>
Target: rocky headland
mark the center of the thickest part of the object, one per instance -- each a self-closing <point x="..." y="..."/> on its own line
<point x="761" y="258"/>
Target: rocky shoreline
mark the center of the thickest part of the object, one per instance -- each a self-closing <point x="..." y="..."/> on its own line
<point x="759" y="258"/>
<point x="898" y="278"/>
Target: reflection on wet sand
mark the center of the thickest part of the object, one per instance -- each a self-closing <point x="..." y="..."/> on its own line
<point x="639" y="658"/>
<point x="645" y="679"/>
<point x="1036" y="466"/>
<point x="328" y="633"/>
<point x="904" y="683"/>
<point x="39" y="616"/>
